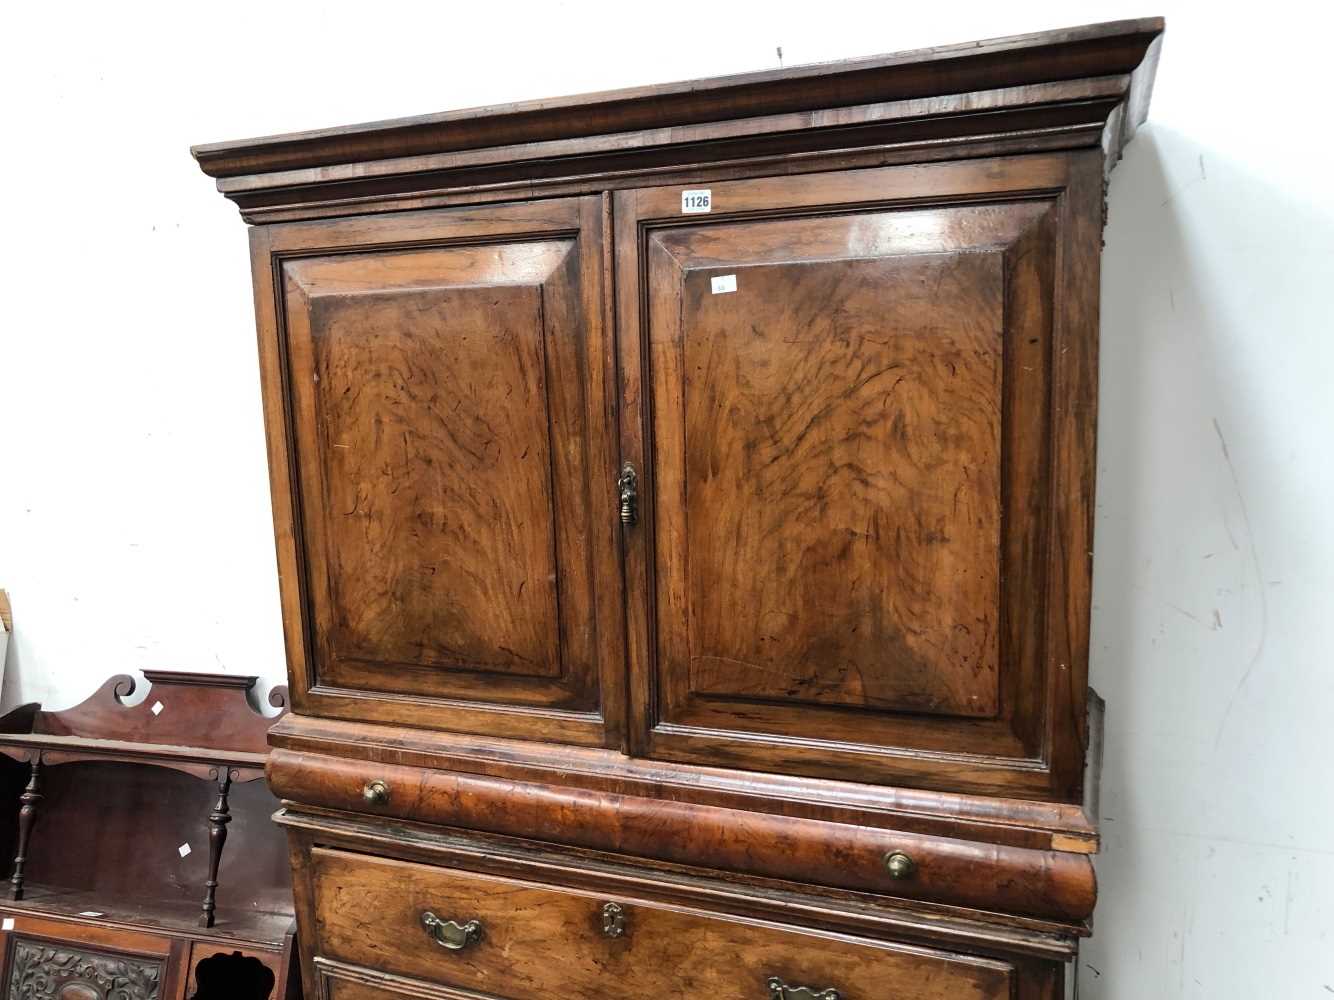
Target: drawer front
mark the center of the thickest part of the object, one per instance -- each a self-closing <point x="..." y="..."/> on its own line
<point x="524" y="941"/>
<point x="1055" y="884"/>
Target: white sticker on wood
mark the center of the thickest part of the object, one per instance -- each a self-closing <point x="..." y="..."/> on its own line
<point x="696" y="202"/>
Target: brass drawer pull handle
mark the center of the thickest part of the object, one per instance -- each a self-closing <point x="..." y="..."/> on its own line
<point x="779" y="990"/>
<point x="376" y="793"/>
<point x="450" y="933"/>
<point x="899" y="865"/>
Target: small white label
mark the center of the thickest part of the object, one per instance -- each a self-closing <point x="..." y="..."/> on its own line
<point x="724" y="283"/>
<point x="7" y="924"/>
<point x="183" y="850"/>
<point x="92" y="913"/>
<point x="157" y="708"/>
<point x="696" y="202"/>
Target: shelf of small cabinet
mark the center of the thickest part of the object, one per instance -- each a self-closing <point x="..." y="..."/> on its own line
<point x="233" y="924"/>
<point x="202" y="762"/>
<point x="195" y="723"/>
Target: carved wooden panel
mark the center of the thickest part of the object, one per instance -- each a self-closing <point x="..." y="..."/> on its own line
<point x="39" y="971"/>
<point x="444" y="403"/>
<point x="849" y="467"/>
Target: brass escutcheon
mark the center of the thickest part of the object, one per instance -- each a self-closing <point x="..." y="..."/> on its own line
<point x="613" y="920"/>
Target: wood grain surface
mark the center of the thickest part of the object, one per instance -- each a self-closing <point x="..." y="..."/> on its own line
<point x="1054" y="884"/>
<point x="442" y="378"/>
<point x="848" y="462"/>
<point x="538" y="942"/>
<point x="842" y="432"/>
<point x="434" y="417"/>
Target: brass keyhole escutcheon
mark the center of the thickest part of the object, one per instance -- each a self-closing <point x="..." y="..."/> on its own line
<point x="899" y="865"/>
<point x="627" y="485"/>
<point x="613" y="920"/>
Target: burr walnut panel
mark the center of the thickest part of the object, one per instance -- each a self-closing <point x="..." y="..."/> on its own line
<point x="433" y="419"/>
<point x="843" y="398"/>
<point x="535" y="941"/>
<point x="442" y="379"/>
<point x="842" y="433"/>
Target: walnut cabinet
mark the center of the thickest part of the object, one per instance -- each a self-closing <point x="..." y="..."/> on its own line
<point x="683" y="511"/>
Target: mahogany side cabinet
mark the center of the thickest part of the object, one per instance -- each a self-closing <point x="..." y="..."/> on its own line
<point x="683" y="501"/>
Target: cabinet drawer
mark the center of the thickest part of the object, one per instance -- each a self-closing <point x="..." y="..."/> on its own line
<point x="527" y="941"/>
<point x="1053" y="884"/>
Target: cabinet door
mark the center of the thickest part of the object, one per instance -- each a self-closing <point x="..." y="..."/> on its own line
<point x="861" y="405"/>
<point x="440" y="439"/>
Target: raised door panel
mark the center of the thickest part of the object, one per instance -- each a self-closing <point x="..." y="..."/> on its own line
<point x="840" y="391"/>
<point x="841" y="429"/>
<point x="445" y="419"/>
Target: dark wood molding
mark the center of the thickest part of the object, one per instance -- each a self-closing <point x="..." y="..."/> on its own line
<point x="1065" y="89"/>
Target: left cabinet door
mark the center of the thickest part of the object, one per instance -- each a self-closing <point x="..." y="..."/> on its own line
<point x="437" y="406"/>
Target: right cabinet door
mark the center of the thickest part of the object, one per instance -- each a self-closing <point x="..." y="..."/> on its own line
<point x="861" y="407"/>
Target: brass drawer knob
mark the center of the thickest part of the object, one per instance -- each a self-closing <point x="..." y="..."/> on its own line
<point x="376" y="793"/>
<point x="779" y="990"/>
<point x="451" y="934"/>
<point x="899" y="865"/>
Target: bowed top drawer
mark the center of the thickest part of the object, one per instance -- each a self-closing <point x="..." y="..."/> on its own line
<point x="1040" y="883"/>
<point x="525" y="941"/>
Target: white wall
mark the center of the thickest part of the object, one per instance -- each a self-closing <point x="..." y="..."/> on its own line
<point x="134" y="522"/>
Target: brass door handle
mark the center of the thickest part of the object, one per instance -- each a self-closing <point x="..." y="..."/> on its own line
<point x="779" y="990"/>
<point x="627" y="484"/>
<point x="451" y="934"/>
